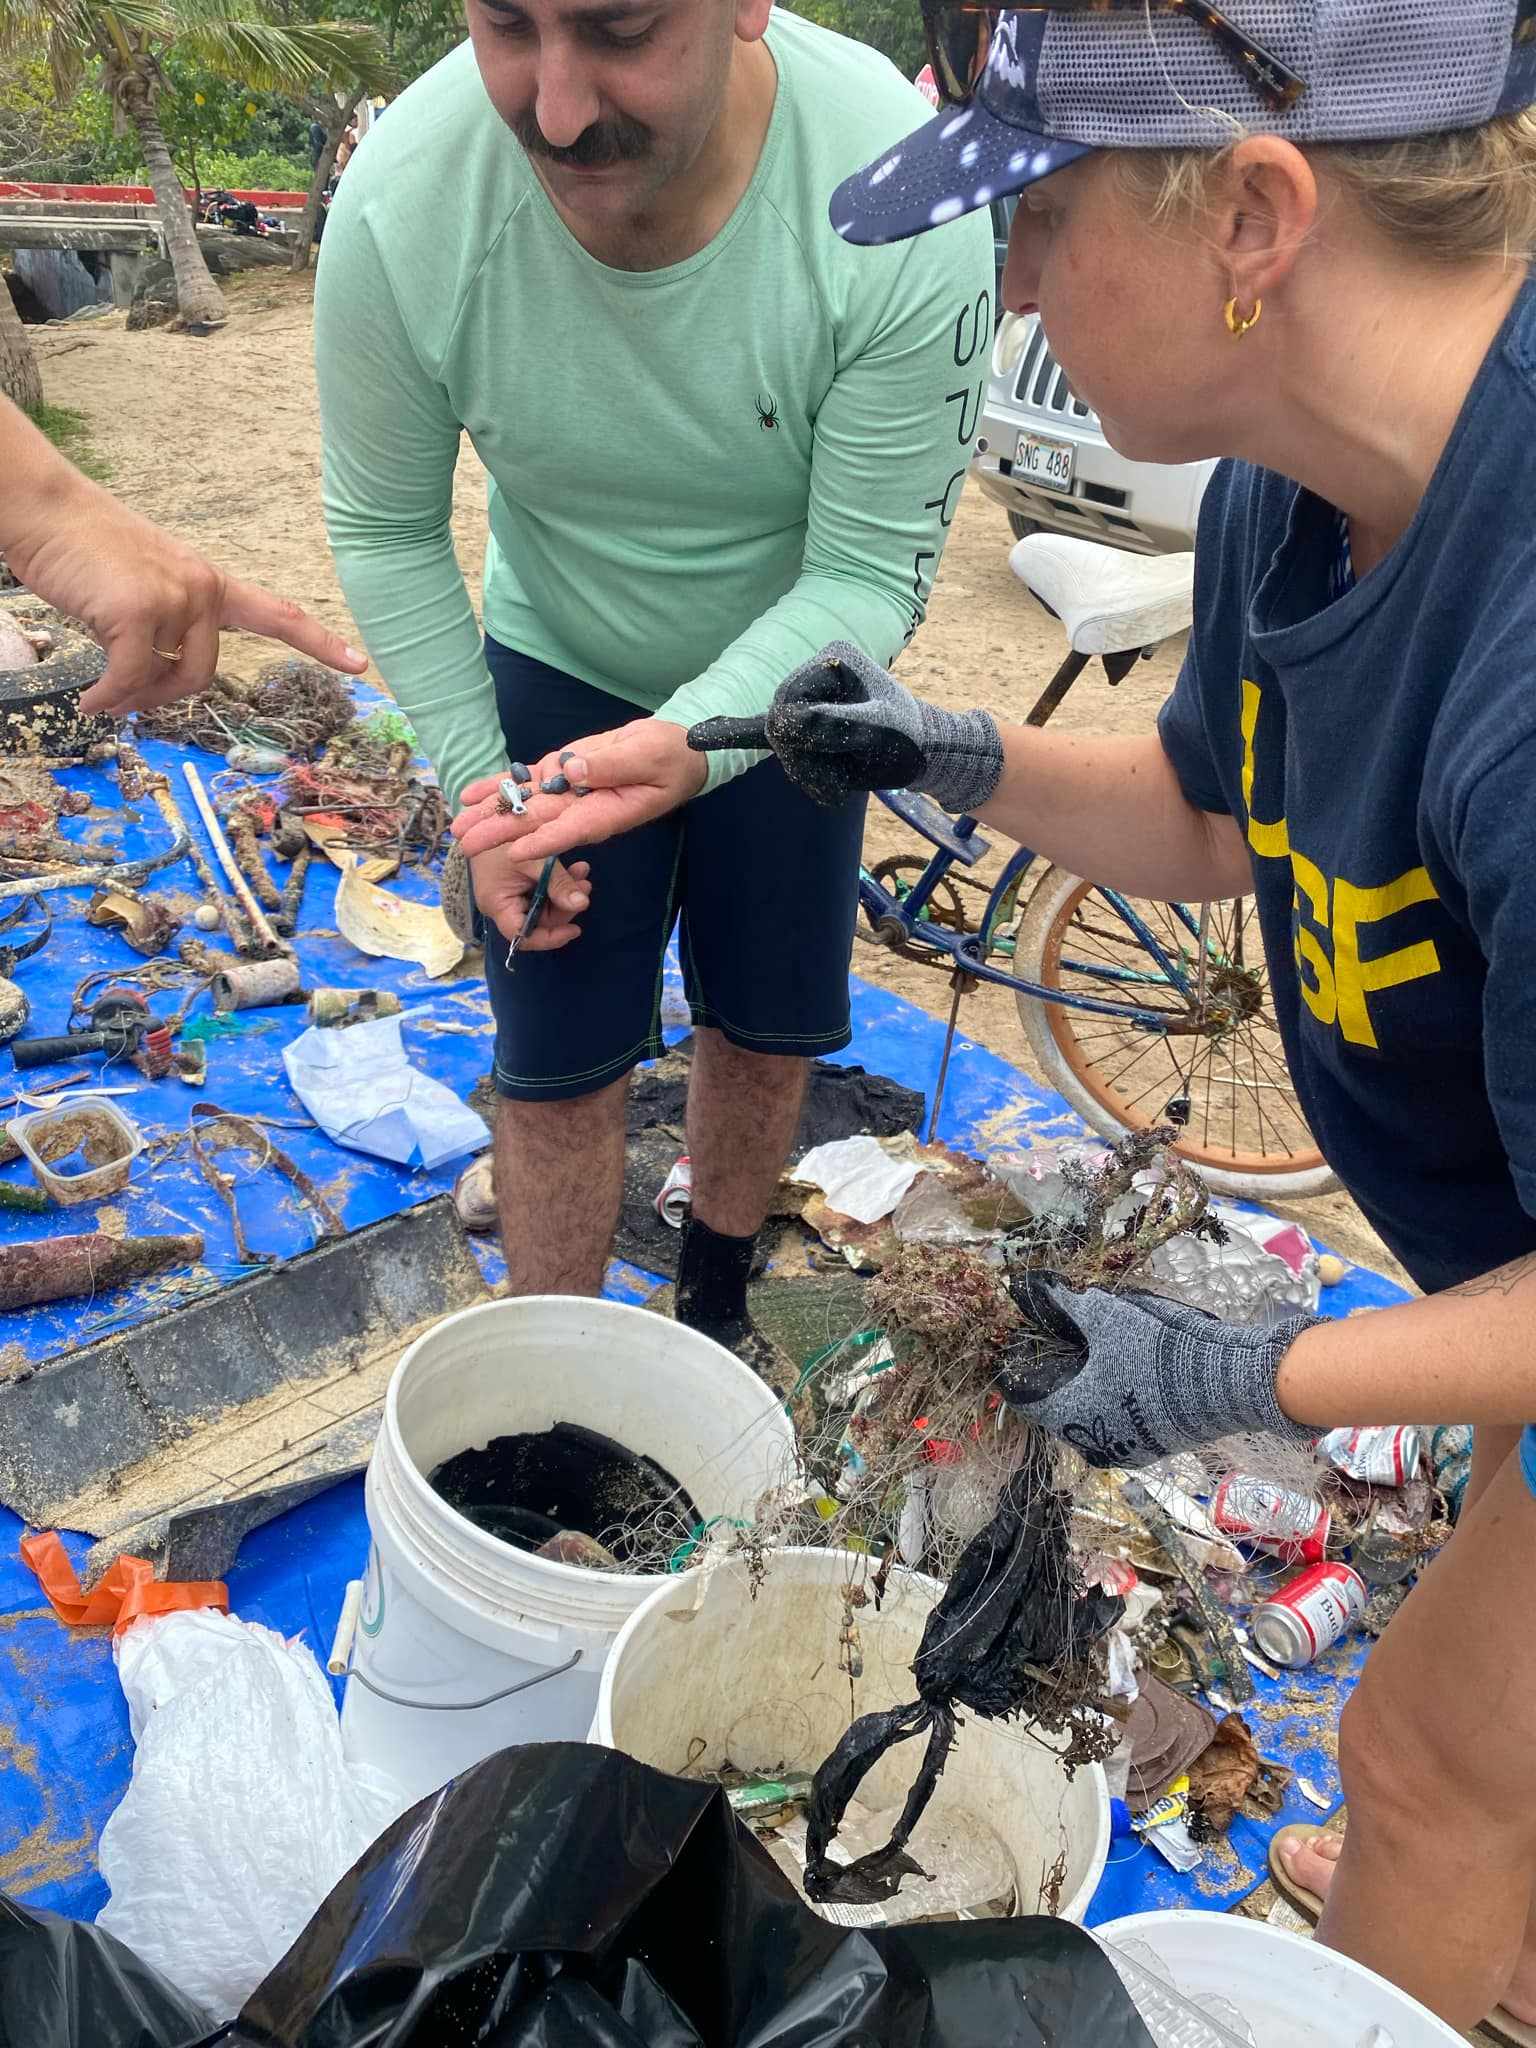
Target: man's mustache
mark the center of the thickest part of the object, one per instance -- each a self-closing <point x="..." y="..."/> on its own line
<point x="597" y="148"/>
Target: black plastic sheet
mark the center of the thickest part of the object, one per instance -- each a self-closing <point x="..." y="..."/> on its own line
<point x="1012" y="1611"/>
<point x="563" y="1896"/>
<point x="65" y="1984"/>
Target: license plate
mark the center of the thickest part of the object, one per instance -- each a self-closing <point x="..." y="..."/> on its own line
<point x="1047" y="463"/>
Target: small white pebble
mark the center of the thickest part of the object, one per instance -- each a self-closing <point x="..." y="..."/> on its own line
<point x="1331" y="1270"/>
<point x="206" y="918"/>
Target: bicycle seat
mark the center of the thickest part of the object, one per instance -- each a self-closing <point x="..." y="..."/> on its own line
<point x="1109" y="602"/>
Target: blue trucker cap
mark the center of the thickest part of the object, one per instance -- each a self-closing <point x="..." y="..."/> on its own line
<point x="1059" y="84"/>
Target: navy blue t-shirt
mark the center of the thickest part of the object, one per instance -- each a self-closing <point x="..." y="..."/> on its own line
<point x="1378" y="749"/>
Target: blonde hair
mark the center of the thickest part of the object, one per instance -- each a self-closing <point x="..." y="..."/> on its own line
<point x="1464" y="196"/>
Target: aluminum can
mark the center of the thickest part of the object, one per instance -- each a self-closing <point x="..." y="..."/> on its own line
<point x="1257" y="1511"/>
<point x="1309" y="1615"/>
<point x="1380" y="1457"/>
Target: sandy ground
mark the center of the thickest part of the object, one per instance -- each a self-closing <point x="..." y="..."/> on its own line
<point x="219" y="439"/>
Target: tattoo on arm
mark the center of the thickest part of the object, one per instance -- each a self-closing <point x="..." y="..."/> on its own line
<point x="1503" y="1280"/>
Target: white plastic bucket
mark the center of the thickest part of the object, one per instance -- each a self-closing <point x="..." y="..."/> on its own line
<point x="451" y="1615"/>
<point x="711" y="1670"/>
<point x="1289" y="1992"/>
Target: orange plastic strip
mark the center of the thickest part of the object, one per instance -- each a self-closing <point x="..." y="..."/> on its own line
<point x="128" y="1589"/>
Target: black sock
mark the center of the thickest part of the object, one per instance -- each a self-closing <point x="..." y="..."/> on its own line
<point x="712" y="1274"/>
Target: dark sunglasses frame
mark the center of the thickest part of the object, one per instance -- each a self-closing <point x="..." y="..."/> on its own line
<point x="959" y="35"/>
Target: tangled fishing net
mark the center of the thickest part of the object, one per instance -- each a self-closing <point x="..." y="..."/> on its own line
<point x="295" y="705"/>
<point x="349" y="800"/>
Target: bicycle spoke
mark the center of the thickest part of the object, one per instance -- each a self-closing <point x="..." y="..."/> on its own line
<point x="1152" y="1088"/>
<point x="1115" y="1078"/>
<point x="1258" y="1099"/>
<point x="1234" y="1043"/>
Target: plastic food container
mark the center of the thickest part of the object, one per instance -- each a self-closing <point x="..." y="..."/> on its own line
<point x="79" y="1152"/>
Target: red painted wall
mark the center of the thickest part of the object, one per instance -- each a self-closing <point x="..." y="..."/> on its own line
<point x="130" y="195"/>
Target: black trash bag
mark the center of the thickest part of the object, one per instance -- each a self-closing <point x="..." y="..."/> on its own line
<point x="840" y="1102"/>
<point x="564" y="1896"/>
<point x="1010" y="1613"/>
<point x="65" y="1984"/>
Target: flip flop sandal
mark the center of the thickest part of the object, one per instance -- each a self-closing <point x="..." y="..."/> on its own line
<point x="1500" y="2024"/>
<point x="1304" y="1901"/>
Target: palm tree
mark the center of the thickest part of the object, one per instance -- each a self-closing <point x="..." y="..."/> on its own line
<point x="20" y="379"/>
<point x="241" y="38"/>
<point x="333" y="114"/>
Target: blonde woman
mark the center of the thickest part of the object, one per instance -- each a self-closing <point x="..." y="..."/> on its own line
<point x="1299" y="235"/>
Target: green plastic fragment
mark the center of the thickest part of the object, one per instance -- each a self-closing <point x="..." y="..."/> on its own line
<point x="222" y="1024"/>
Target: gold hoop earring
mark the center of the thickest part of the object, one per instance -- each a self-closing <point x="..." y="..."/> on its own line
<point x="1239" y="324"/>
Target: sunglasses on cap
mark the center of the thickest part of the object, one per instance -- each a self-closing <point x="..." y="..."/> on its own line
<point x="959" y="35"/>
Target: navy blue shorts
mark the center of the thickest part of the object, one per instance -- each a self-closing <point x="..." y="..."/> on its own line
<point x="762" y="883"/>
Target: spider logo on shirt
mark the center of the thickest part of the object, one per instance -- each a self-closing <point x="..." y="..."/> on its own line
<point x="767" y="412"/>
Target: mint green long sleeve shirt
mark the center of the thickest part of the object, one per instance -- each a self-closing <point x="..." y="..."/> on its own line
<point x="699" y="475"/>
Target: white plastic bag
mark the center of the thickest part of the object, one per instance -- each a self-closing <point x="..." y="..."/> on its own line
<point x="242" y="1813"/>
<point x="361" y="1089"/>
<point x="858" y="1176"/>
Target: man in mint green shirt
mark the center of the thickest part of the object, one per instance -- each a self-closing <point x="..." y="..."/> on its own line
<point x="595" y="239"/>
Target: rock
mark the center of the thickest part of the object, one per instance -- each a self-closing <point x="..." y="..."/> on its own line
<point x="29" y="307"/>
<point x="149" y="312"/>
<point x="154" y="298"/>
<point x="225" y="253"/>
<point x="1331" y="1270"/>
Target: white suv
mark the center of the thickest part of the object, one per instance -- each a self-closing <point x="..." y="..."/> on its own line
<point x="1043" y="456"/>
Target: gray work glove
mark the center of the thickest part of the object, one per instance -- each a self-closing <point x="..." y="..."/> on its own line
<point x="1130" y="1378"/>
<point x="841" y="725"/>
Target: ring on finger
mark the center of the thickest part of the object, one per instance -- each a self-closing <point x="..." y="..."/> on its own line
<point x="172" y="654"/>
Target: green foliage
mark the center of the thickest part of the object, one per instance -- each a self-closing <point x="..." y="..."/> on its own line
<point x="39" y="138"/>
<point x="894" y="27"/>
<point x="218" y="127"/>
<point x="70" y="433"/>
<point x="221" y="130"/>
<point x="417" y="33"/>
<point x="262" y="171"/>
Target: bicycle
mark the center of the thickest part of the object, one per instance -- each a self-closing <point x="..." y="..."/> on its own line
<point x="1139" y="1013"/>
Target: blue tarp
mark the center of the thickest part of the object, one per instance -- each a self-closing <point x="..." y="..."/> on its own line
<point x="65" y="1751"/>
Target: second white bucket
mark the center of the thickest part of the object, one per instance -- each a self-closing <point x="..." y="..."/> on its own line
<point x="720" y="1671"/>
<point x="450" y="1615"/>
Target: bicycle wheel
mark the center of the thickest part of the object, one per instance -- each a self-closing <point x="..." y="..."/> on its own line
<point x="1246" y="1134"/>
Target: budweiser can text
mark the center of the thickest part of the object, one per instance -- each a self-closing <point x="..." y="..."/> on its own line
<point x="1257" y="1511"/>
<point x="1380" y="1457"/>
<point x="1310" y="1615"/>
